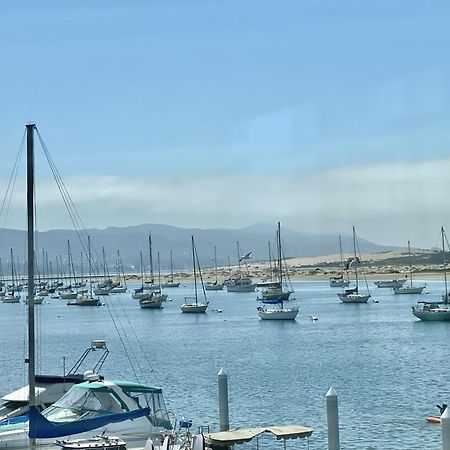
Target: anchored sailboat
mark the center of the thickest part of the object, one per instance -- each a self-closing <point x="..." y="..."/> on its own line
<point x="352" y="295"/>
<point x="409" y="288"/>
<point x="192" y="304"/>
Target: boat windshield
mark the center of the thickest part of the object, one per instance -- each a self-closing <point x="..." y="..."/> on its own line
<point x="159" y="414"/>
<point x="84" y="404"/>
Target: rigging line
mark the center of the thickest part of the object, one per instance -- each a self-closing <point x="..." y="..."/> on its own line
<point x="362" y="269"/>
<point x="141" y="369"/>
<point x="200" y="273"/>
<point x="11" y="183"/>
<point x="73" y="213"/>
<point x="124" y="313"/>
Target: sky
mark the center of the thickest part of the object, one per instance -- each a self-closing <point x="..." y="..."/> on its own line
<point x="222" y="113"/>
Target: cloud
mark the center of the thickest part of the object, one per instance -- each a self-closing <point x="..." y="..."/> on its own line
<point x="388" y="203"/>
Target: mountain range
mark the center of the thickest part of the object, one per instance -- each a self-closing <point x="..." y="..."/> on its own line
<point x="165" y="238"/>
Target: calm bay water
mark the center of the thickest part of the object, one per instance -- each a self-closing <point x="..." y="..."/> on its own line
<point x="388" y="368"/>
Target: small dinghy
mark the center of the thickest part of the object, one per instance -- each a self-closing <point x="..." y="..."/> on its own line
<point x="94" y="443"/>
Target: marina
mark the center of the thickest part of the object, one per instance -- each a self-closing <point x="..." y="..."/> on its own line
<point x="377" y="356"/>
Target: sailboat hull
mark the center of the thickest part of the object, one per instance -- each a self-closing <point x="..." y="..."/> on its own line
<point x="194" y="308"/>
<point x="354" y="298"/>
<point x="278" y="313"/>
<point x="441" y="314"/>
<point x="409" y="290"/>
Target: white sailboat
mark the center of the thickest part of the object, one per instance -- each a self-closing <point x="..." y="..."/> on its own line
<point x="352" y="295"/>
<point x="87" y="407"/>
<point x="409" y="288"/>
<point x="276" y="311"/>
<point x="192" y="304"/>
<point x="342" y="279"/>
<point x="170" y="283"/>
<point x="438" y="311"/>
<point x="214" y="286"/>
<point x="87" y="298"/>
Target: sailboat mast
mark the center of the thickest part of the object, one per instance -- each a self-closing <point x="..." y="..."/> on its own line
<point x="410" y="263"/>
<point x="31" y="259"/>
<point x="445" y="264"/>
<point x="151" y="256"/>
<point x="270" y="261"/>
<point x="195" y="271"/>
<point x="171" y="267"/>
<point x="90" y="266"/>
<point x="215" y="261"/>
<point x="159" y="272"/>
<point x="239" y="257"/>
<point x="355" y="260"/>
<point x="279" y="255"/>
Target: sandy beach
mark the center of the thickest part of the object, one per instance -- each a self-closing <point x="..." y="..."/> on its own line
<point x="375" y="266"/>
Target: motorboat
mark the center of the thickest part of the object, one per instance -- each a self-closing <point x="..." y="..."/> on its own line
<point x="50" y="388"/>
<point x="389" y="283"/>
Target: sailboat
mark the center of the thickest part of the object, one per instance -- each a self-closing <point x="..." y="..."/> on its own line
<point x="352" y="295"/>
<point x="12" y="296"/>
<point x="150" y="285"/>
<point x="216" y="286"/>
<point x="192" y="304"/>
<point x="119" y="287"/>
<point x="152" y="299"/>
<point x="239" y="282"/>
<point x="170" y="283"/>
<point x="342" y="279"/>
<point x="277" y="311"/>
<point x="409" y="288"/>
<point x="278" y="291"/>
<point x="436" y="311"/>
<point x="87" y="407"/>
<point x="69" y="294"/>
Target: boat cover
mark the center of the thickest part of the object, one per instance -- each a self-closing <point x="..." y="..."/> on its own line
<point x="232" y="437"/>
<point x="40" y="427"/>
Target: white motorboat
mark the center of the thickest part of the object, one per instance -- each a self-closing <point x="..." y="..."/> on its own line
<point x="192" y="304"/>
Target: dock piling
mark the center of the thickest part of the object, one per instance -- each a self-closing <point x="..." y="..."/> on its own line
<point x="224" y="419"/>
<point x="333" y="420"/>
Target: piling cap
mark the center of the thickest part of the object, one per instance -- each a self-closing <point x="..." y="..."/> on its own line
<point x="221" y="372"/>
<point x="331" y="393"/>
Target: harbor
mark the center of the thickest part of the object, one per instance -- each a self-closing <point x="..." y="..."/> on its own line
<point x="279" y="372"/>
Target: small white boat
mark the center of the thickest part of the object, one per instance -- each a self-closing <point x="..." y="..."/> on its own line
<point x="11" y="298"/>
<point x="85" y="300"/>
<point x="277" y="312"/>
<point x="99" y="442"/>
<point x="191" y="304"/>
<point x="409" y="288"/>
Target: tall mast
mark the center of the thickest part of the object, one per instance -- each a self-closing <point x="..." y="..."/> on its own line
<point x="445" y="264"/>
<point x="195" y="271"/>
<point x="159" y="272"/>
<point x="31" y="259"/>
<point x="355" y="261"/>
<point x="410" y="263"/>
<point x="90" y="265"/>
<point x="142" y="269"/>
<point x="239" y="257"/>
<point x="215" y="261"/>
<point x="151" y="256"/>
<point x="279" y="255"/>
<point x="171" y="267"/>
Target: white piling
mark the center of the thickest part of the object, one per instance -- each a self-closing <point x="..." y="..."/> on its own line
<point x="224" y="419"/>
<point x="333" y="420"/>
<point x="445" y="422"/>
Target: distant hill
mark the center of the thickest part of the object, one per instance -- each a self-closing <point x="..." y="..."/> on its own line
<point x="130" y="240"/>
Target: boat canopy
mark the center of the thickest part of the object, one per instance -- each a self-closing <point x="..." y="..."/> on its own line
<point x="240" y="436"/>
<point x="126" y="386"/>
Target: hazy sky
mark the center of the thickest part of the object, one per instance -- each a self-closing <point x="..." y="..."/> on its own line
<point x="211" y="113"/>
